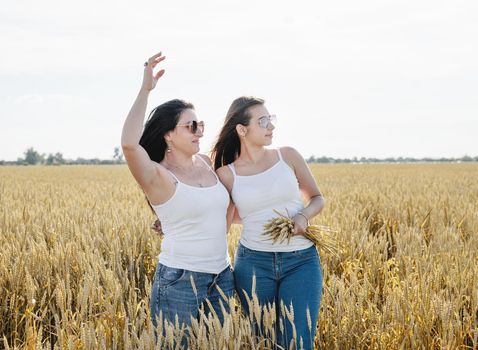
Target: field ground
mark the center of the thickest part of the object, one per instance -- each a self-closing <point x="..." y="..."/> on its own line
<point x="77" y="257"/>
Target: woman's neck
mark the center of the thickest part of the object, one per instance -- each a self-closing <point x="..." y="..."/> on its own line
<point x="252" y="154"/>
<point x="179" y="160"/>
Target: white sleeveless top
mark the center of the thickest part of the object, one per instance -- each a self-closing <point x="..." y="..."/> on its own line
<point x="256" y="197"/>
<point x="195" y="229"/>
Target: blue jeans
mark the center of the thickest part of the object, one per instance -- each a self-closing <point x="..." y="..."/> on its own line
<point x="291" y="277"/>
<point x="173" y="293"/>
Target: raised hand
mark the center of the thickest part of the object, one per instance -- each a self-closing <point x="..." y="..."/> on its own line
<point x="149" y="78"/>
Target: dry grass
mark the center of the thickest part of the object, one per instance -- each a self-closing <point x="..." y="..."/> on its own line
<point x="281" y="228"/>
<point x="77" y="258"/>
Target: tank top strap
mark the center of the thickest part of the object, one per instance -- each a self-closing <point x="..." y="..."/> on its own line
<point x="280" y="154"/>
<point x="174" y="176"/>
<point x="209" y="167"/>
<point x="231" y="166"/>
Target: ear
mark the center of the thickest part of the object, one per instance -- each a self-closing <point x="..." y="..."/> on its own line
<point x="167" y="136"/>
<point x="241" y="130"/>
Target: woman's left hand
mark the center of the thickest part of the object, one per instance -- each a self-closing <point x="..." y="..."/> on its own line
<point x="149" y="78"/>
<point x="156" y="226"/>
<point x="300" y="224"/>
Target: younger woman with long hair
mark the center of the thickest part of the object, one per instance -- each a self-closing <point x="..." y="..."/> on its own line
<point x="261" y="180"/>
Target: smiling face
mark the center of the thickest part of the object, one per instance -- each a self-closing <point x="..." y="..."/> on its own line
<point x="260" y="128"/>
<point x="181" y="138"/>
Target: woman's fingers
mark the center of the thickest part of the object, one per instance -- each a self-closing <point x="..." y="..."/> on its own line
<point x="156" y="226"/>
<point x="156" y="61"/>
<point x="149" y="78"/>
<point x="152" y="58"/>
<point x="153" y="61"/>
<point x="159" y="74"/>
<point x="299" y="228"/>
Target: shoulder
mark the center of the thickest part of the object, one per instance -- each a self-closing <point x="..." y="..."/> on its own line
<point x="291" y="155"/>
<point x="225" y="172"/>
<point x="205" y="158"/>
<point x="226" y="176"/>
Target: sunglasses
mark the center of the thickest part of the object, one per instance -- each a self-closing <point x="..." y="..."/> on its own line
<point x="267" y="120"/>
<point x="194" y="126"/>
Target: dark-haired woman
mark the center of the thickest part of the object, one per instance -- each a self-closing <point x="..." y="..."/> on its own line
<point x="186" y="194"/>
<point x="261" y="180"/>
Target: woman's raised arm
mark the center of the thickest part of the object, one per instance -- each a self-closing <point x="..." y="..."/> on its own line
<point x="139" y="163"/>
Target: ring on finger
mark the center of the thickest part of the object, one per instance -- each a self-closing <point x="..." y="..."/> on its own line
<point x="146" y="63"/>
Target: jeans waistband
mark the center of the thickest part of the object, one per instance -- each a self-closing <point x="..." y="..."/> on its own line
<point x="311" y="249"/>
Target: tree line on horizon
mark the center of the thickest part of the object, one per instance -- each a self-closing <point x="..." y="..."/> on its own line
<point x="324" y="159"/>
<point x="33" y="157"/>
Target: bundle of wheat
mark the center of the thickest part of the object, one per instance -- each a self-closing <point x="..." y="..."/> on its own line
<point x="281" y="228"/>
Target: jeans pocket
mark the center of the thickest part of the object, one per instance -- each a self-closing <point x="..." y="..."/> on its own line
<point x="169" y="276"/>
<point x="310" y="252"/>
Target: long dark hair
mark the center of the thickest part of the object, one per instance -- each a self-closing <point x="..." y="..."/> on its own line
<point x="228" y="146"/>
<point x="161" y="120"/>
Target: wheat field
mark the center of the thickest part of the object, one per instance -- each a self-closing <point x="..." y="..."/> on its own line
<point x="77" y="258"/>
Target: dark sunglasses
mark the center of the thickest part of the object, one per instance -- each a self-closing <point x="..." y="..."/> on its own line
<point x="194" y="126"/>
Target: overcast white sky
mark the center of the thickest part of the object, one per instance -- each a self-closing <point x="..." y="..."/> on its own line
<point x="345" y="78"/>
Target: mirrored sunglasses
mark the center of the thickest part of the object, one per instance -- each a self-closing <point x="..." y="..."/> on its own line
<point x="266" y="120"/>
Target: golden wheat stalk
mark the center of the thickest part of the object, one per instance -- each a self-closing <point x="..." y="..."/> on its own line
<point x="281" y="228"/>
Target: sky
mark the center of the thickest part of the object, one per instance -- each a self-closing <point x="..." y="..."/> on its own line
<point x="345" y="78"/>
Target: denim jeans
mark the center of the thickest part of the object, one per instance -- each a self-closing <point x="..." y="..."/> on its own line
<point x="173" y="293"/>
<point x="291" y="277"/>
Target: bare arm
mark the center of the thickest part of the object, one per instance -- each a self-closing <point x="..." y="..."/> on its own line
<point x="231" y="209"/>
<point x="227" y="179"/>
<point x="307" y="185"/>
<point x="139" y="163"/>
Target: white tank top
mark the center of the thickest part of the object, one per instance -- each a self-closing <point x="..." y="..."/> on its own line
<point x="256" y="197"/>
<point x="195" y="230"/>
